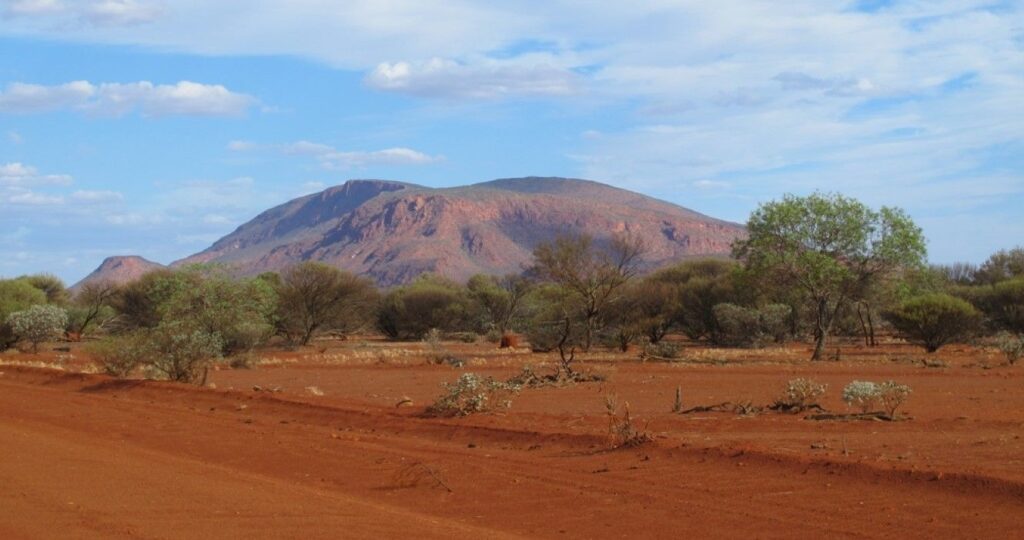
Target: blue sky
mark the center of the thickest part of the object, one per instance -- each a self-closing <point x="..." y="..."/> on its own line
<point x="154" y="127"/>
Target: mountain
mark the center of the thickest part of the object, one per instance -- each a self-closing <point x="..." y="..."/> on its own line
<point x="394" y="231"/>
<point x="118" y="270"/>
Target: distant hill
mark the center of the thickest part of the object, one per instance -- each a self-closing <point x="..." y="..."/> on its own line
<point x="394" y="231"/>
<point x="119" y="270"/>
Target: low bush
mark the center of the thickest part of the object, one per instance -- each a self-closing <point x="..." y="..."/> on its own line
<point x="799" y="395"/>
<point x="933" y="320"/>
<point x="740" y="326"/>
<point x="661" y="349"/>
<point x="38" y="324"/>
<point x="119" y="356"/>
<point x="471" y="394"/>
<point x="868" y="395"/>
<point x="1011" y="345"/>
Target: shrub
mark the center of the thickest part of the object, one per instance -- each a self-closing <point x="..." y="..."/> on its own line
<point x="15" y="295"/>
<point x="314" y="297"/>
<point x="1011" y="345"/>
<point x="470" y="394"/>
<point x="933" y="320"/>
<point x="181" y="352"/>
<point x="661" y="349"/>
<point x="862" y="394"/>
<point x="892" y="395"/>
<point x="749" y="327"/>
<point x="800" y="394"/>
<point x="410" y="311"/>
<point x="38" y="324"/>
<point x="119" y="356"/>
<point x="867" y="395"/>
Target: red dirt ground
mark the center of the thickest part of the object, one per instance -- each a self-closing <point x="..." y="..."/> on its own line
<point x="86" y="456"/>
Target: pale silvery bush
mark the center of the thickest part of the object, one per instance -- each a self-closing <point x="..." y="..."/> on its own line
<point x="863" y="394"/>
<point x="867" y="395"/>
<point x="38" y="324"/>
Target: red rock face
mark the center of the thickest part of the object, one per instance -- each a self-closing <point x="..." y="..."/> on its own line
<point x="119" y="270"/>
<point x="393" y="232"/>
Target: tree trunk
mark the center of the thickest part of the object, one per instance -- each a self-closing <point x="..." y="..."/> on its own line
<point x="821" y="328"/>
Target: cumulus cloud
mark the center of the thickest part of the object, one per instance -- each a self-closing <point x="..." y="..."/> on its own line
<point x="184" y="98"/>
<point x="486" y="79"/>
<point x="331" y="158"/>
<point x="31" y="198"/>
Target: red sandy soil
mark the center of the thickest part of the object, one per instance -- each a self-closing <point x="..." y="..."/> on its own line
<point x="86" y="456"/>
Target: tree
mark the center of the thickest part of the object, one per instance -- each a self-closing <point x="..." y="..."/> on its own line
<point x="90" y="302"/>
<point x="500" y="298"/>
<point x="933" y="320"/>
<point x="594" y="273"/>
<point x="38" y="324"/>
<point x="826" y="247"/>
<point x="314" y="297"/>
<point x="1001" y="266"/>
<point x="51" y="285"/>
<point x="1003" y="303"/>
<point x="430" y="302"/>
<point x="138" y="302"/>
<point x="237" y="311"/>
<point x="15" y="295"/>
<point x="700" y="285"/>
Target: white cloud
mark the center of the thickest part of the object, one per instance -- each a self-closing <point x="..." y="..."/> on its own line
<point x="28" y="8"/>
<point x="484" y="79"/>
<point x="331" y="158"/>
<point x="19" y="174"/>
<point x="96" y="197"/>
<point x="120" y="12"/>
<point x="184" y="98"/>
<point x="30" y="198"/>
<point x="91" y="13"/>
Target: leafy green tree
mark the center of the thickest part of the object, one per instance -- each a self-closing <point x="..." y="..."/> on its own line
<point x="595" y="273"/>
<point x="1003" y="303"/>
<point x="38" y="324"/>
<point x="698" y="285"/>
<point x="499" y="298"/>
<point x="936" y="319"/>
<point x="827" y="247"/>
<point x="555" y="322"/>
<point x="237" y="311"/>
<point x="429" y="302"/>
<point x="51" y="285"/>
<point x="15" y="295"/>
<point x="139" y="302"/>
<point x="314" y="297"/>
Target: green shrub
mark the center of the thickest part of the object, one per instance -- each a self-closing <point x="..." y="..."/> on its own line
<point x="740" y="326"/>
<point x="182" y="352"/>
<point x="120" y="355"/>
<point x="933" y="320"/>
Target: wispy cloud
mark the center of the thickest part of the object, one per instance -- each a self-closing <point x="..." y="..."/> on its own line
<point x="484" y="79"/>
<point x="98" y="13"/>
<point x="184" y="98"/>
<point x="330" y="158"/>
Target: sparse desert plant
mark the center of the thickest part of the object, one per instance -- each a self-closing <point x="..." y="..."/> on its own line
<point x="799" y="395"/>
<point x="120" y="355"/>
<point x="621" y="428"/>
<point x="892" y="394"/>
<point x="470" y="394"/>
<point x="38" y="324"/>
<point x="1011" y="345"/>
<point x="661" y="350"/>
